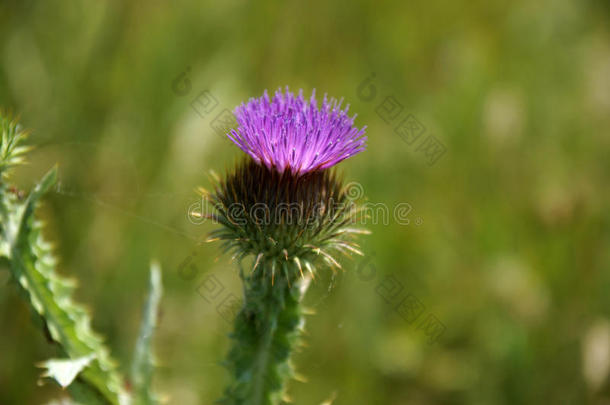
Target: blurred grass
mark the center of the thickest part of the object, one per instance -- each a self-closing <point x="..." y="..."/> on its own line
<point x="512" y="255"/>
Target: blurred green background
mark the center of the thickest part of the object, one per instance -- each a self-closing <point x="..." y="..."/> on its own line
<point x="508" y="240"/>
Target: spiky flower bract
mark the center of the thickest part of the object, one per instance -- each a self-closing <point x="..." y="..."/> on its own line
<point x="288" y="133"/>
<point x="286" y="222"/>
<point x="286" y="209"/>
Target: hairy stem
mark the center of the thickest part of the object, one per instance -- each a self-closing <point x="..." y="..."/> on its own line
<point x="266" y="332"/>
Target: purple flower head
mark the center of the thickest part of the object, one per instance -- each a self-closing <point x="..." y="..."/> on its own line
<point x="289" y="133"/>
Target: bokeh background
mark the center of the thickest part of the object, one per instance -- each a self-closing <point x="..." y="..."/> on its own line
<point x="508" y="241"/>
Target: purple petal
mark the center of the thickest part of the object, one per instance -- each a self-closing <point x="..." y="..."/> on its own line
<point x="287" y="132"/>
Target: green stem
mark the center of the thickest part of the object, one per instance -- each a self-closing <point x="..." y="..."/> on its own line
<point x="266" y="331"/>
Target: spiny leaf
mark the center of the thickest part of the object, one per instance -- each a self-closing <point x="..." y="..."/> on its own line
<point x="143" y="363"/>
<point x="33" y="267"/>
<point x="11" y="150"/>
<point x="64" y="371"/>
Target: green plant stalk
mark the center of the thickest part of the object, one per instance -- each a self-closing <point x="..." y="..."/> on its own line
<point x="143" y="365"/>
<point x="266" y="332"/>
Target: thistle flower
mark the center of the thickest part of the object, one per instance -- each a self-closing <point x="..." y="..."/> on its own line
<point x="286" y="208"/>
<point x="287" y="133"/>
